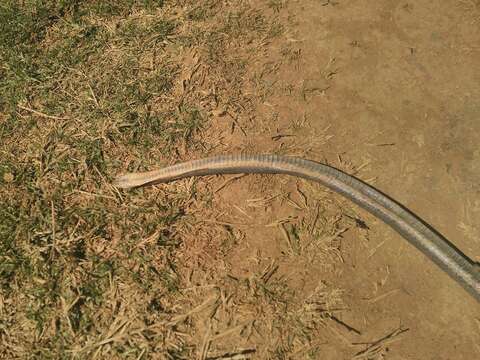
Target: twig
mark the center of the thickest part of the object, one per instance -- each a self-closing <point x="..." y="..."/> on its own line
<point x="228" y="181"/>
<point x="286" y="235"/>
<point x="36" y="112"/>
<point x="345" y="325"/>
<point x="52" y="251"/>
<point x="380" y="297"/>
<point x="207" y="342"/>
<point x="226" y="223"/>
<point x="230" y="331"/>
<point x="141" y="354"/>
<point x="93" y="95"/>
<point x="377" y="346"/>
<point x="201" y="307"/>
<point x="235" y="121"/>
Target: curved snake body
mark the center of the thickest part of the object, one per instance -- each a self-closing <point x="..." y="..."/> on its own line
<point x="451" y="260"/>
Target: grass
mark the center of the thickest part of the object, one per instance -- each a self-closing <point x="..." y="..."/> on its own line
<point x="89" y="89"/>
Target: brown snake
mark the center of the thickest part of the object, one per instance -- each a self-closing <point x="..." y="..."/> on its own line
<point x="438" y="249"/>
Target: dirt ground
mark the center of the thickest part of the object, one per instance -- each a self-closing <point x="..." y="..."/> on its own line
<point x="235" y="267"/>
<point x="396" y="84"/>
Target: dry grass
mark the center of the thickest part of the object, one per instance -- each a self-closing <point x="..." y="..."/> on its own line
<point x="93" y="88"/>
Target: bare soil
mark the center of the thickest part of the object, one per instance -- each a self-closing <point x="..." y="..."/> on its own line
<point x="395" y="85"/>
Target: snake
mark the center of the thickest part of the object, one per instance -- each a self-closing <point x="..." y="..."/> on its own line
<point x="416" y="231"/>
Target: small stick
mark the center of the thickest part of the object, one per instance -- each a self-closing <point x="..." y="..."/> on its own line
<point x="52" y="251"/>
<point x="226" y="182"/>
<point x="94" y="98"/>
<point x="286" y="236"/>
<point x="36" y="112"/>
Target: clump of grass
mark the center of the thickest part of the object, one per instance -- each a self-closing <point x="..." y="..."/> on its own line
<point x="90" y="88"/>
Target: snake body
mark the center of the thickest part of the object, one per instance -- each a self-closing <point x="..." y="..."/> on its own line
<point x="438" y="249"/>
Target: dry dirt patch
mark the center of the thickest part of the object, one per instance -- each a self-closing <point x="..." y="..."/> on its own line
<point x="261" y="267"/>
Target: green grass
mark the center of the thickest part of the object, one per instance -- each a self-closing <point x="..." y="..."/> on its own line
<point x="88" y="89"/>
<point x="83" y="63"/>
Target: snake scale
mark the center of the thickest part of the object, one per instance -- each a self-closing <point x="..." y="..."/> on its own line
<point x="438" y="249"/>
